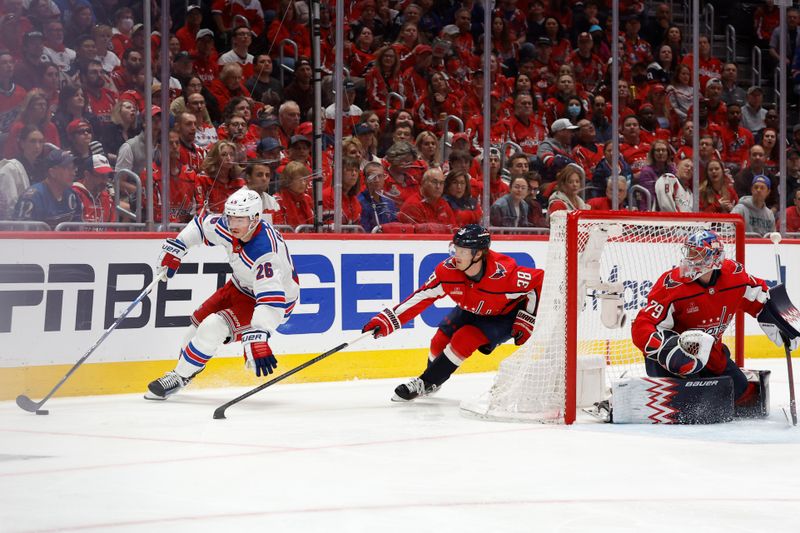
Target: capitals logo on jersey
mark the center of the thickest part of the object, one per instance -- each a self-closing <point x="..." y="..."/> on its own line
<point x="499" y="273"/>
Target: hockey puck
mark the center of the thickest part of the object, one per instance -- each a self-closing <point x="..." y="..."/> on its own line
<point x="42" y="412"/>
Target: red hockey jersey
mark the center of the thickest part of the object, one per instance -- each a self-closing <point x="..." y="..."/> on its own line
<point x="503" y="286"/>
<point x="675" y="304"/>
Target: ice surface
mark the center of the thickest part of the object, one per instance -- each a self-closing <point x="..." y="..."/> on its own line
<point x="339" y="457"/>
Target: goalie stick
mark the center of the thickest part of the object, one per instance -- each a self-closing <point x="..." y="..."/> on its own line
<point x="219" y="412"/>
<point x="775" y="237"/>
<point x="35" y="407"/>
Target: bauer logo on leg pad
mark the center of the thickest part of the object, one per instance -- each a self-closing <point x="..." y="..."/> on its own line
<point x="672" y="400"/>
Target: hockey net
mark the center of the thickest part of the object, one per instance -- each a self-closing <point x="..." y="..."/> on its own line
<point x="596" y="263"/>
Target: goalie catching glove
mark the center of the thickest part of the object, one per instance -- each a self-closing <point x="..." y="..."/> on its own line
<point x="522" y="329"/>
<point x="382" y="324"/>
<point x="172" y="252"/>
<point x="780" y="319"/>
<point x="682" y="355"/>
<point x="257" y="353"/>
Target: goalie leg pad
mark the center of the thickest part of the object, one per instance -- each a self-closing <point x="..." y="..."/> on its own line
<point x="672" y="400"/>
<point x="754" y="403"/>
<point x="210" y="335"/>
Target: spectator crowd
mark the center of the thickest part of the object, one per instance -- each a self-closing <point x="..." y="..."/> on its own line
<point x="72" y="109"/>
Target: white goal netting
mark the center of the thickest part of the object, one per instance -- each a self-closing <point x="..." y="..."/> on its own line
<point x="618" y="260"/>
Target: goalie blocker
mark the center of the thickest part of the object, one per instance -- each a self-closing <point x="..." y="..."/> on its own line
<point x="650" y="400"/>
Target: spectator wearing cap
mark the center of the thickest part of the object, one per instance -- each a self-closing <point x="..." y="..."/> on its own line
<point x="124" y="77"/>
<point x="228" y="15"/>
<point x="736" y="139"/>
<point x="299" y="150"/>
<point x="542" y="67"/>
<point x="12" y="95"/>
<point x="351" y="113"/>
<point x="414" y="78"/>
<point x="99" y="99"/>
<point x="27" y="71"/>
<point x="717" y="110"/>
<point x="239" y="53"/>
<point x="710" y="66"/>
<point x="405" y="172"/>
<point x="287" y="26"/>
<point x="369" y="140"/>
<point x="382" y="79"/>
<point x="229" y="84"/>
<point x="33" y="111"/>
<point x="296" y="205"/>
<point x="54" y="48"/>
<point x="300" y="90"/>
<point x="376" y="207"/>
<point x="663" y="66"/>
<point x="524" y="126"/>
<point x="262" y="85"/>
<point x="555" y="152"/>
<point x="731" y="92"/>
<point x="52" y="200"/>
<point x="753" y="113"/>
<point x="81" y="142"/>
<point x="182" y="69"/>
<point x="351" y="207"/>
<point x="758" y="218"/>
<point x="206" y="64"/>
<point x="587" y="151"/>
<point x="187" y="33"/>
<point x="17" y="174"/>
<point x="92" y="190"/>
<point x="793" y="212"/>
<point x="635" y="49"/>
<point x="270" y="150"/>
<point x="587" y="66"/>
<point x="632" y="146"/>
<point x="219" y="178"/>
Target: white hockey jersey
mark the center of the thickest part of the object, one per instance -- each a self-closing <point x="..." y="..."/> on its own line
<point x="262" y="266"/>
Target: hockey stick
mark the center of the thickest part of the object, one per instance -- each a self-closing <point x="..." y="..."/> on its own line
<point x="219" y="412"/>
<point x="35" y="407"/>
<point x="775" y="237"/>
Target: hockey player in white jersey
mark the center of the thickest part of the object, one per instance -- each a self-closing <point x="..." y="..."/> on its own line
<point x="257" y="299"/>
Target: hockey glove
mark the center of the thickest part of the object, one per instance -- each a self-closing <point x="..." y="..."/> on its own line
<point x="257" y="353"/>
<point x="774" y="333"/>
<point x="522" y="329"/>
<point x="172" y="252"/>
<point x="383" y="324"/>
<point x="697" y="344"/>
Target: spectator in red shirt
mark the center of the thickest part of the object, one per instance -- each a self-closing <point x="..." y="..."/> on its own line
<point x="716" y="194"/>
<point x="633" y="147"/>
<point x="285" y="26"/>
<point x="123" y="25"/>
<point x="182" y="183"/>
<point x="351" y="207"/>
<point x="92" y="189"/>
<point x="191" y="155"/>
<point x="220" y="177"/>
<point x="228" y="85"/>
<point x="793" y="214"/>
<point x="525" y="127"/>
<point x="710" y="67"/>
<point x="206" y="59"/>
<point x="427" y="206"/>
<point x="605" y="203"/>
<point x="186" y="33"/>
<point x="736" y="139"/>
<point x="405" y="172"/>
<point x="297" y="207"/>
<point x="587" y="151"/>
<point x="382" y="79"/>
<point x="99" y="100"/>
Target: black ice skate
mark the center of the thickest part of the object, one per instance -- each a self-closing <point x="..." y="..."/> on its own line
<point x="165" y="386"/>
<point x="413" y="389"/>
<point x="601" y="411"/>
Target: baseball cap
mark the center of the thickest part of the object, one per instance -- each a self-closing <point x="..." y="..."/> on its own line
<point x="183" y="55"/>
<point x="32" y="35"/>
<point x="99" y="164"/>
<point x="461" y="136"/>
<point x="422" y="49"/>
<point x="59" y="157"/>
<point x="363" y="129"/>
<point x="561" y="125"/>
<point x="192" y="7"/>
<point x="450" y="29"/>
<point x="658" y="88"/>
<point x="544" y="41"/>
<point x="302" y="61"/>
<point x="796" y="128"/>
<point x="137" y="27"/>
<point x="714" y="81"/>
<point x="594" y="28"/>
<point x="299" y="139"/>
<point x="76" y="125"/>
<point x="349" y="85"/>
<point x="755" y="88"/>
<point x="761" y="178"/>
<point x="155" y="110"/>
<point x="267" y="144"/>
<point x="584" y="36"/>
<point x="204" y="32"/>
<point x="268" y="122"/>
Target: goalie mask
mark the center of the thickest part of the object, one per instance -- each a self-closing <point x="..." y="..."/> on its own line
<point x="244" y="203"/>
<point x="702" y="252"/>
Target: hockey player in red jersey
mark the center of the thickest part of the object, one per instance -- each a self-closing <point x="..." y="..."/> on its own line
<point x="689" y="308"/>
<point x="496" y="300"/>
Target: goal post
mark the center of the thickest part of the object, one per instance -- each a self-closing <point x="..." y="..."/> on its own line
<point x="599" y="269"/>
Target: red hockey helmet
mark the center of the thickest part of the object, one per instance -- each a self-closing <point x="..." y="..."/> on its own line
<point x="702" y="252"/>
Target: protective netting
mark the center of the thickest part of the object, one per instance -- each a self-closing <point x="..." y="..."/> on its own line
<point x="624" y="256"/>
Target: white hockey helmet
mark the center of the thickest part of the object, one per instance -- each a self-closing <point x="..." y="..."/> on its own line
<point x="703" y="252"/>
<point x="245" y="203"/>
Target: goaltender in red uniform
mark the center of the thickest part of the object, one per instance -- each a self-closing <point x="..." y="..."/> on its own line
<point x="496" y="300"/>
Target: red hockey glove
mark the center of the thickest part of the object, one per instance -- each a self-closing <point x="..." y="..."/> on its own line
<point x="523" y="327"/>
<point x="384" y="322"/>
<point x="257" y="353"/>
<point x="172" y="252"/>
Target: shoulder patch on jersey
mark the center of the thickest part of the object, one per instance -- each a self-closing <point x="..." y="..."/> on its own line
<point x="499" y="273"/>
<point x="738" y="268"/>
<point x="449" y="263"/>
<point x="670" y="283"/>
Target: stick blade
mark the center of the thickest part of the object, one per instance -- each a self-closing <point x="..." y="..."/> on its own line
<point x="27" y="404"/>
<point x="219" y="413"/>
